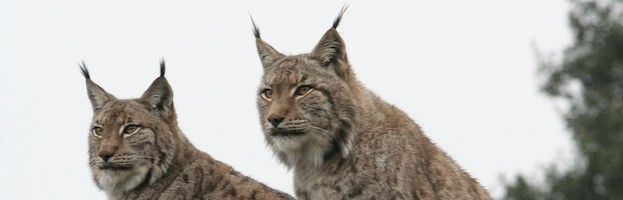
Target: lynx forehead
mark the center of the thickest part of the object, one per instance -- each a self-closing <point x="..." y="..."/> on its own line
<point x="341" y="140"/>
<point x="284" y="73"/>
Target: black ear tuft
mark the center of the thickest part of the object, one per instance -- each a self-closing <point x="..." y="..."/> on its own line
<point x="339" y="17"/>
<point x="162" y="68"/>
<point x="84" y="70"/>
<point x="256" y="30"/>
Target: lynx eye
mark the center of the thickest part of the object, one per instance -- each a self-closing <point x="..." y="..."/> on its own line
<point x="267" y="94"/>
<point x="97" y="132"/>
<point x="303" y="90"/>
<point x="130" y="130"/>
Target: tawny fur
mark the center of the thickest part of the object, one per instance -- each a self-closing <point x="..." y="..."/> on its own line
<point x="156" y="161"/>
<point x="341" y="140"/>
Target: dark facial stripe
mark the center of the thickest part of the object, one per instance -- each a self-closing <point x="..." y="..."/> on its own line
<point x="145" y="181"/>
<point x="341" y="134"/>
<point x="303" y="78"/>
<point x="338" y="140"/>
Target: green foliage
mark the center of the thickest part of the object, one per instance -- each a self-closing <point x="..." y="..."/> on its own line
<point x="590" y="79"/>
<point x="521" y="190"/>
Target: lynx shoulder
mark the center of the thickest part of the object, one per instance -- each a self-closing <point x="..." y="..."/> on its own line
<point x="137" y="151"/>
<point x="340" y="139"/>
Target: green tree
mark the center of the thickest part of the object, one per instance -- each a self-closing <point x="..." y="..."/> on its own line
<point x="589" y="77"/>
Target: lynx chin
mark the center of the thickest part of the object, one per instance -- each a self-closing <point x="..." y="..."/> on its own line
<point x="137" y="151"/>
<point x="341" y="140"/>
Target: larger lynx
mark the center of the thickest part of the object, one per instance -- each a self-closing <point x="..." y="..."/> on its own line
<point x="340" y="139"/>
<point x="137" y="151"/>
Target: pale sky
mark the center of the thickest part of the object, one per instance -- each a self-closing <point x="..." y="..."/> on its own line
<point x="465" y="71"/>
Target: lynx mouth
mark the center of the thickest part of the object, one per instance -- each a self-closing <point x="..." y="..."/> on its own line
<point x="116" y="168"/>
<point x="286" y="133"/>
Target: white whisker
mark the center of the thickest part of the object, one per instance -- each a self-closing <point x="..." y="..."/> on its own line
<point x="318" y="128"/>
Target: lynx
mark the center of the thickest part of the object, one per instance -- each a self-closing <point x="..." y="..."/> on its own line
<point x="137" y="151"/>
<point x="341" y="140"/>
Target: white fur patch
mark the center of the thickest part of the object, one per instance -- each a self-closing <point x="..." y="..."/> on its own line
<point x="300" y="150"/>
<point x="288" y="143"/>
<point x="112" y="181"/>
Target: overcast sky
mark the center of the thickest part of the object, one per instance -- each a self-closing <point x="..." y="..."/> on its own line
<point x="465" y="71"/>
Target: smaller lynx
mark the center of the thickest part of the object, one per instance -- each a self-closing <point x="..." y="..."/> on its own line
<point x="341" y="140"/>
<point x="137" y="151"/>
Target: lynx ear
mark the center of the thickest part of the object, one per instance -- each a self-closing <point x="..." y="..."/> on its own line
<point x="268" y="54"/>
<point x="97" y="95"/>
<point x="331" y="47"/>
<point x="159" y="96"/>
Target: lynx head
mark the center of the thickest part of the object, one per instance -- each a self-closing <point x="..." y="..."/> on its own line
<point x="305" y="101"/>
<point x="131" y="142"/>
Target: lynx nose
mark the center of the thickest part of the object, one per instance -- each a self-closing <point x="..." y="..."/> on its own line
<point x="107" y="150"/>
<point x="275" y="120"/>
<point x="106" y="155"/>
